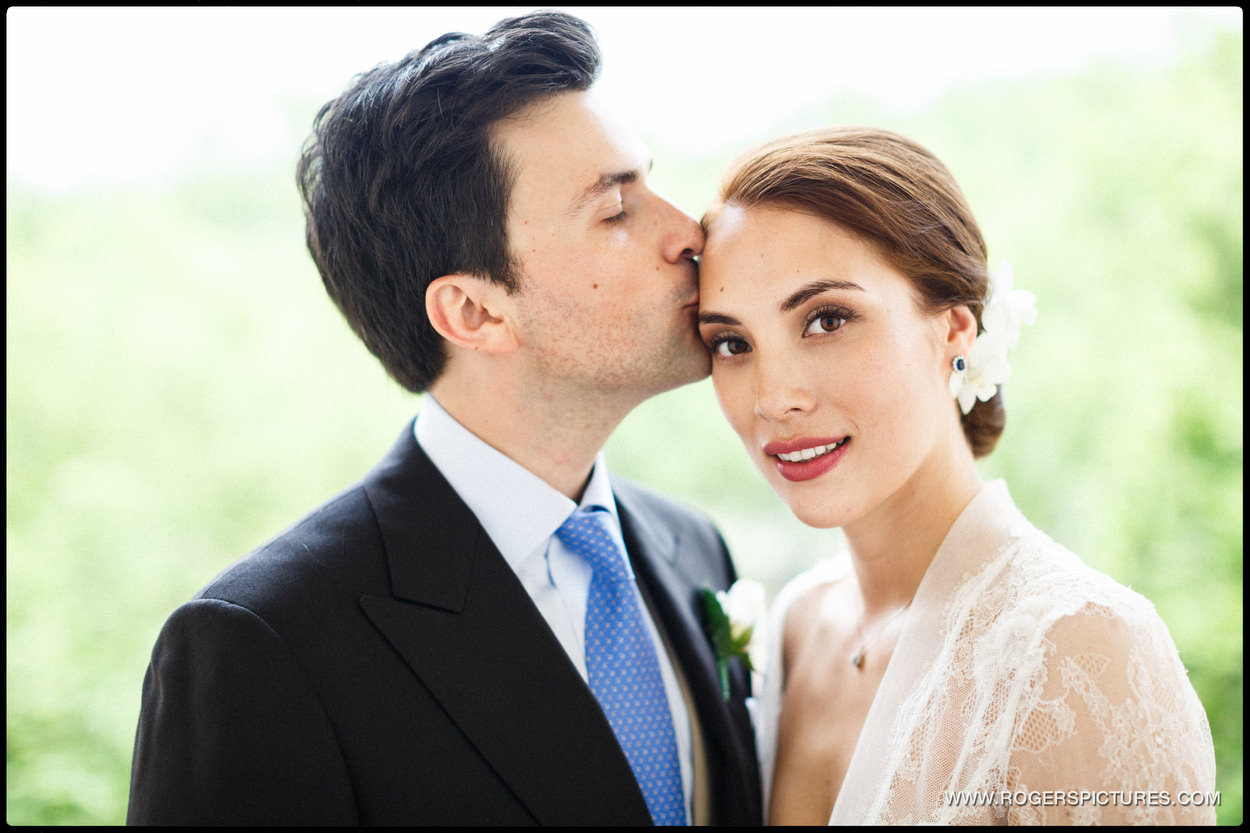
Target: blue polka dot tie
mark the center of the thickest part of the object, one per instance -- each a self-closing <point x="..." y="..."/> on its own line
<point x="622" y="667"/>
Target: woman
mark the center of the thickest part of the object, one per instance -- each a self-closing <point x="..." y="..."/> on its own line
<point x="957" y="665"/>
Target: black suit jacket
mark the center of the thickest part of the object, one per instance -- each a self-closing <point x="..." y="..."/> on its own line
<point x="380" y="663"/>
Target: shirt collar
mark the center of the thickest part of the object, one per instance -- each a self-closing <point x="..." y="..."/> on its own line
<point x="519" y="510"/>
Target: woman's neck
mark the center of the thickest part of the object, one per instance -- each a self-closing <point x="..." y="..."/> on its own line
<point x="893" y="546"/>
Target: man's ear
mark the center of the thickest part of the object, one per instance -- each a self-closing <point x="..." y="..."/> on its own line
<point x="961" y="330"/>
<point x="469" y="312"/>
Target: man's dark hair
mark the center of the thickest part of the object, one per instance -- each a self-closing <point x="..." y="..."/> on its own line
<point x="401" y="182"/>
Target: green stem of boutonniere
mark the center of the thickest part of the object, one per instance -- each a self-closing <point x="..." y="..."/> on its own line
<point x="724" y="643"/>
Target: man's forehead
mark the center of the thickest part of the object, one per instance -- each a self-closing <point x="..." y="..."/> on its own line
<point x="571" y="146"/>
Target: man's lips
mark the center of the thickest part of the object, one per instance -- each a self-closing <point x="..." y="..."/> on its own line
<point x="806" y="457"/>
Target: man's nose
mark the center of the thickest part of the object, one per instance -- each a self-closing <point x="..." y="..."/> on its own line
<point x="683" y="237"/>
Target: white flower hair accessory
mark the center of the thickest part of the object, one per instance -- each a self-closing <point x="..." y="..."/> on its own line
<point x="979" y="375"/>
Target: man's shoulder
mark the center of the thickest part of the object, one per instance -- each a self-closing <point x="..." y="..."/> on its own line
<point x="640" y="497"/>
<point x="334" y="548"/>
<point x="665" y="512"/>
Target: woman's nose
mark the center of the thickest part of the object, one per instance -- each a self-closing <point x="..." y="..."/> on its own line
<point x="780" y="392"/>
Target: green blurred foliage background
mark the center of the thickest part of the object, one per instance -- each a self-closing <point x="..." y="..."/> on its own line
<point x="179" y="390"/>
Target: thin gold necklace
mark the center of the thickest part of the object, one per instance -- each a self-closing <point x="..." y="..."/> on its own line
<point x="857" y="658"/>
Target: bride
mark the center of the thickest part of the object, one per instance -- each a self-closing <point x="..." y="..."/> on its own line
<point x="957" y="665"/>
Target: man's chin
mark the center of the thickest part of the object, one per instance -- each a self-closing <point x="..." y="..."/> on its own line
<point x="691" y="363"/>
<point x="677" y="372"/>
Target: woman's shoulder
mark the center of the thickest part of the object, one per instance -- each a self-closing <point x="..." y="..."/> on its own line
<point x="1043" y="569"/>
<point x="996" y="556"/>
<point x="1015" y="585"/>
<point x="797" y="600"/>
<point x="803" y="586"/>
<point x="1046" y="589"/>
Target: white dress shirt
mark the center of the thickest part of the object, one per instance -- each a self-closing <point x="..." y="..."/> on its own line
<point x="521" y="513"/>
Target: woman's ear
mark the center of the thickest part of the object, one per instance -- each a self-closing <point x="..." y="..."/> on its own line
<point x="961" y="329"/>
<point x="469" y="312"/>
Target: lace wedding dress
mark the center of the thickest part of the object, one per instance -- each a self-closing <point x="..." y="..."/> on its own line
<point x="1025" y="688"/>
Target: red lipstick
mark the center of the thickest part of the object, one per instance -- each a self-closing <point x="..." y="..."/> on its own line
<point x="827" y="453"/>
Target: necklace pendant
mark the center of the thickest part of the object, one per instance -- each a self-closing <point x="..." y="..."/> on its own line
<point x="857" y="658"/>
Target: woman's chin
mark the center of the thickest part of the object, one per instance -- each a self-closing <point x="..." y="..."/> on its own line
<point x="816" y="513"/>
<point x="805" y="500"/>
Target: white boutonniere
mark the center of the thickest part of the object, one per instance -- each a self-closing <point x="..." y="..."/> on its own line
<point x="732" y="620"/>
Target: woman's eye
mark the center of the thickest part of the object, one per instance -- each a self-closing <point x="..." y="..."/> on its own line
<point x="615" y="218"/>
<point x="824" y="323"/>
<point x="727" y="348"/>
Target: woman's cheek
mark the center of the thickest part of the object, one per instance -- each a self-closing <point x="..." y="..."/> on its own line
<point x="737" y="400"/>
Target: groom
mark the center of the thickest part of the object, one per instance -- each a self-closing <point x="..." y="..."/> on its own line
<point x="429" y="646"/>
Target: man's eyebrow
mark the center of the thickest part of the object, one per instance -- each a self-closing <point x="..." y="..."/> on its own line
<point x="604" y="183"/>
<point x="813" y="289"/>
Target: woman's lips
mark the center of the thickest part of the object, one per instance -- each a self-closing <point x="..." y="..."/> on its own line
<point x="807" y="457"/>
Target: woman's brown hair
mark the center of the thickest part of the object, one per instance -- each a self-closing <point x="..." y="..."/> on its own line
<point x="897" y="196"/>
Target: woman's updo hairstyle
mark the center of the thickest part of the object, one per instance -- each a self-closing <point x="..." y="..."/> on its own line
<point x="893" y="194"/>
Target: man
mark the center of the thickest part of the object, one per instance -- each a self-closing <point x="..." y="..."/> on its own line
<point x="428" y="647"/>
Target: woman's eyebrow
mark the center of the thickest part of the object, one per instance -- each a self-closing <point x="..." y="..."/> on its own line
<point x="718" y="318"/>
<point x="813" y="289"/>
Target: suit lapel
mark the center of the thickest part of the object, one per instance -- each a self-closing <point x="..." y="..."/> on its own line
<point x="464" y="624"/>
<point x="676" y="602"/>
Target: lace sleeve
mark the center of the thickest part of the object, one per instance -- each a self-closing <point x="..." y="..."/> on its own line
<point x="1114" y="732"/>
